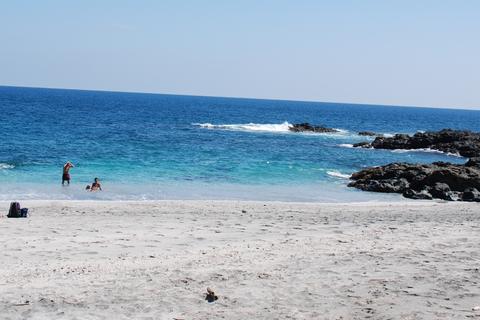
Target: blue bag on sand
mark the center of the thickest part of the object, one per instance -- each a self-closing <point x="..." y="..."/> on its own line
<point x="24" y="212"/>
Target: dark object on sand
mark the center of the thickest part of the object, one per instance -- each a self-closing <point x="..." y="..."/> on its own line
<point x="439" y="180"/>
<point x="16" y="211"/>
<point x="307" y="127"/>
<point x="211" y="297"/>
<point x="24" y="212"/>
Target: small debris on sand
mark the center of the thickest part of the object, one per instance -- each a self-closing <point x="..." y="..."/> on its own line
<point x="211" y="297"/>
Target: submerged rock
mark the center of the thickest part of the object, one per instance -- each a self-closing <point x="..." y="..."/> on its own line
<point x="307" y="127"/>
<point x="440" y="180"/>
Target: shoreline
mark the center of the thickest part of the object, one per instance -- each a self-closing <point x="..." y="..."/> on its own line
<point x="194" y="202"/>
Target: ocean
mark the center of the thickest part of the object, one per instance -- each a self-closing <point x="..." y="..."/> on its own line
<point x="154" y="146"/>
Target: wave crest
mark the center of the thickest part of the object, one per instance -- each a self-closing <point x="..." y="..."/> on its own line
<point x="4" y="166"/>
<point x="338" y="174"/>
<point x="426" y="150"/>
<point x="267" y="127"/>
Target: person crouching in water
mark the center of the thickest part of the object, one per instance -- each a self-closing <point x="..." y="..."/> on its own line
<point x="66" y="172"/>
<point x="95" y="186"/>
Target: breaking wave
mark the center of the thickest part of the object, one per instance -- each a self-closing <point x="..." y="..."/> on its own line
<point x="423" y="150"/>
<point x="264" y="127"/>
<point x="282" y="127"/>
<point x="6" y="166"/>
<point x="337" y="174"/>
<point x="427" y="150"/>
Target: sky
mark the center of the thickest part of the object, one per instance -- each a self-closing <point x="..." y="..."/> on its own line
<point x="407" y="52"/>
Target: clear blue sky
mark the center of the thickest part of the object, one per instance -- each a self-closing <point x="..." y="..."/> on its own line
<point x="406" y="52"/>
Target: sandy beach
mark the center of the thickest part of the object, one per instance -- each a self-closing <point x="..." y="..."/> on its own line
<point x="264" y="260"/>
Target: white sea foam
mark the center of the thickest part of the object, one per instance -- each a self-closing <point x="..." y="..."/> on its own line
<point x="427" y="150"/>
<point x="423" y="150"/>
<point x="265" y="127"/>
<point x="320" y="191"/>
<point x="338" y="174"/>
<point x="6" y="166"/>
<point x="341" y="131"/>
<point x="282" y="127"/>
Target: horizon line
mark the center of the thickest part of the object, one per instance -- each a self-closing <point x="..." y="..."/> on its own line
<point x="245" y="98"/>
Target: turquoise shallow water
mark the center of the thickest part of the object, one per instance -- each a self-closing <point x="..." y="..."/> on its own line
<point x="146" y="146"/>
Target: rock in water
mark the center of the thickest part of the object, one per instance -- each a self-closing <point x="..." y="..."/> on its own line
<point x="440" y="180"/>
<point x="464" y="143"/>
<point x="362" y="145"/>
<point x="369" y="134"/>
<point x="307" y="127"/>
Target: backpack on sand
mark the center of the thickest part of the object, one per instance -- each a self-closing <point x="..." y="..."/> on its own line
<point x="15" y="211"/>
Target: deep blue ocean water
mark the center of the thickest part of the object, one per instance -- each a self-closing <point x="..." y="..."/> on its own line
<point x="151" y="146"/>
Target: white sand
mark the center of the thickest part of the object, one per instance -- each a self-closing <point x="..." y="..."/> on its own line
<point x="154" y="260"/>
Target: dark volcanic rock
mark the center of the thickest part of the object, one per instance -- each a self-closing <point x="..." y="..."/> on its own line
<point x="465" y="143"/>
<point x="471" y="194"/>
<point x="307" y="127"/>
<point x="473" y="162"/>
<point x="369" y="134"/>
<point x="442" y="191"/>
<point x="418" y="195"/>
<point x="439" y="180"/>
<point x="362" y="145"/>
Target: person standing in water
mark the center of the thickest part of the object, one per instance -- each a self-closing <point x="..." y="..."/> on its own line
<point x="66" y="172"/>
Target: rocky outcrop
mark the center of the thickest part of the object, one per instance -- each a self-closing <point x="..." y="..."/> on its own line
<point x="364" y="144"/>
<point x="464" y="143"/>
<point x="471" y="194"/>
<point x="369" y="134"/>
<point x="307" y="127"/>
<point x="473" y="162"/>
<point x="439" y="180"/>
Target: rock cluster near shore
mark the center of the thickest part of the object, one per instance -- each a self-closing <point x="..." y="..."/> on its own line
<point x="464" y="143"/>
<point x="307" y="127"/>
<point x="439" y="180"/>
